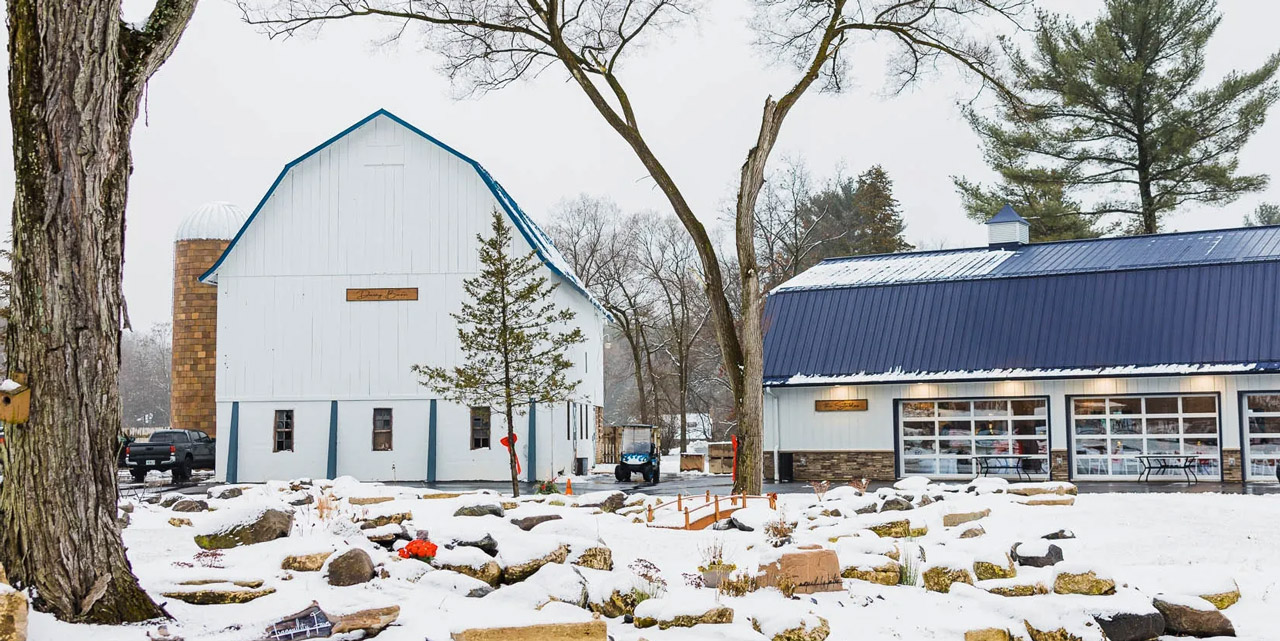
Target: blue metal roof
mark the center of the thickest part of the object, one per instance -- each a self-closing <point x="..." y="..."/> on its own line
<point x="1223" y="246"/>
<point x="1007" y="215"/>
<point x="1167" y="304"/>
<point x="530" y="230"/>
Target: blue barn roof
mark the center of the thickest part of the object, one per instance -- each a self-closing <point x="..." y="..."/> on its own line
<point x="1196" y="302"/>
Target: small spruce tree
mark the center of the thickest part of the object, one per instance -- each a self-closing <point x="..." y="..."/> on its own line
<point x="513" y="338"/>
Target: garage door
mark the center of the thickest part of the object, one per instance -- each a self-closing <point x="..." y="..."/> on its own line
<point x="1262" y="437"/>
<point x="1110" y="433"/>
<point x="939" y="438"/>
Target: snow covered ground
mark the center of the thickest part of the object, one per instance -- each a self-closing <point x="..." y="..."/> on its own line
<point x="1181" y="545"/>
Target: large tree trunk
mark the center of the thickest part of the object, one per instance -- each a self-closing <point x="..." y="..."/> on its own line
<point x="75" y="76"/>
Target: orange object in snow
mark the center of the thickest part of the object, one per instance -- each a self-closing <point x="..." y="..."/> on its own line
<point x="568" y="487"/>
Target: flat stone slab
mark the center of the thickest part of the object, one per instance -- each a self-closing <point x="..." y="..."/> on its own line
<point x="587" y="631"/>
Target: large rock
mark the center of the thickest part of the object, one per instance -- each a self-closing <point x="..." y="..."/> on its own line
<point x="597" y="557"/>
<point x="485" y="544"/>
<point x="13" y="614"/>
<point x="1016" y="589"/>
<point x="351" y="568"/>
<point x="896" y="504"/>
<point x="369" y="500"/>
<point x="611" y="503"/>
<point x="732" y="524"/>
<point x="973" y="532"/>
<point x="616" y="604"/>
<point x="892" y="529"/>
<point x="480" y="509"/>
<point x="305" y="562"/>
<point x="987" y="634"/>
<point x="268" y="525"/>
<point x="959" y="518"/>
<point x="1192" y="616"/>
<point x="1058" y="634"/>
<point x="225" y="492"/>
<point x="518" y="572"/>
<point x="714" y="615"/>
<point x="940" y="579"/>
<point x="382" y="520"/>
<point x="809" y="570"/>
<point x="986" y="570"/>
<point x="217" y="596"/>
<point x="1056" y="488"/>
<point x="585" y="631"/>
<point x="887" y="573"/>
<point x="1223" y="600"/>
<point x="190" y="505"/>
<point x="489" y="571"/>
<point x="371" y="621"/>
<point x="819" y="631"/>
<point x="1130" y="626"/>
<point x="529" y="522"/>
<point x="1083" y="583"/>
<point x="1036" y="554"/>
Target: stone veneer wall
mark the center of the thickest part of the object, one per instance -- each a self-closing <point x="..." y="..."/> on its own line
<point x="1232" y="469"/>
<point x="838" y="466"/>
<point x="195" y="324"/>
<point x="1059" y="466"/>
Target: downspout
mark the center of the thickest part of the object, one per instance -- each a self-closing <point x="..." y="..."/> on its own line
<point x="777" y="433"/>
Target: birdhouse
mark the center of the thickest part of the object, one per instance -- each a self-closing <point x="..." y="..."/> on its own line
<point x="15" y="400"/>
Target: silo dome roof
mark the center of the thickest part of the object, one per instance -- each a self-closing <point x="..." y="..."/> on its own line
<point x="216" y="220"/>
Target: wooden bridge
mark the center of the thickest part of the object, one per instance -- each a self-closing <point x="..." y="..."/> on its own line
<point x="700" y="512"/>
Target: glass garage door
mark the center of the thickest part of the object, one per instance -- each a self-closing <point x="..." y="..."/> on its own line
<point x="940" y="437"/>
<point x="1262" y="440"/>
<point x="1110" y="433"/>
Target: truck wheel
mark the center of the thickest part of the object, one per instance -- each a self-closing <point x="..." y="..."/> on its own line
<point x="183" y="471"/>
<point x="622" y="473"/>
<point x="139" y="474"/>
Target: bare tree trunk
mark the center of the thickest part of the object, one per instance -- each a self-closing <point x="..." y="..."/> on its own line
<point x="511" y="451"/>
<point x="76" y="73"/>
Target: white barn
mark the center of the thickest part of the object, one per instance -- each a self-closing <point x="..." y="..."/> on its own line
<point x="341" y="280"/>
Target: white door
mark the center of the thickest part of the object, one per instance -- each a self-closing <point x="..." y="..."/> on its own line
<point x="939" y="438"/>
<point x="1262" y="436"/>
<point x="1110" y="433"/>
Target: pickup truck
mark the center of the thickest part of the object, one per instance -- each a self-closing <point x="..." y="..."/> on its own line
<point x="176" y="451"/>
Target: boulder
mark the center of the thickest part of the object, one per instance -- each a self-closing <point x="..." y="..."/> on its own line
<point x="896" y="504"/>
<point x="611" y="503"/>
<point x="1131" y="626"/>
<point x="1059" y="535"/>
<point x="301" y="499"/>
<point x="1223" y="600"/>
<point x="885" y="574"/>
<point x="381" y="520"/>
<point x="986" y="570"/>
<point x="1057" y="488"/>
<point x="819" y="631"/>
<point x="440" y="495"/>
<point x="169" y="499"/>
<point x="189" y="505"/>
<point x="988" y="634"/>
<point x="351" y="568"/>
<point x="480" y="509"/>
<point x="485" y="544"/>
<point x="615" y="605"/>
<point x="1017" y="589"/>
<point x="369" y="500"/>
<point x="960" y="518"/>
<point x="267" y="525"/>
<point x="940" y="579"/>
<point x="1083" y="583"/>
<point x="1060" y="634"/>
<point x="585" y="631"/>
<point x="489" y="572"/>
<point x="372" y="621"/>
<point x="973" y="532"/>
<point x="225" y="492"/>
<point x="895" y="529"/>
<point x="518" y="572"/>
<point x="305" y="562"/>
<point x="1192" y="616"/>
<point x="869" y="508"/>
<point x="715" y="615"/>
<point x="529" y="522"/>
<point x="179" y="521"/>
<point x="732" y="524"/>
<point x="218" y="597"/>
<point x="809" y="570"/>
<point x="1036" y="555"/>
<point x="13" y="614"/>
<point x="597" y="558"/>
<point x="126" y="507"/>
<point x="1050" y="500"/>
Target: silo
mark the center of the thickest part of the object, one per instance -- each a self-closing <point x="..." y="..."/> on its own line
<point x="201" y="238"/>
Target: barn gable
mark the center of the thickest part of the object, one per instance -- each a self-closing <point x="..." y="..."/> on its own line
<point x="533" y="235"/>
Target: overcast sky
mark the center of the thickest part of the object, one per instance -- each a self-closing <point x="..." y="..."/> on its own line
<point x="231" y="107"/>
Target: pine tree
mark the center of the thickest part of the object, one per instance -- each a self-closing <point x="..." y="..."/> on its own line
<point x="1116" y="108"/>
<point x="1040" y="195"/>
<point x="1264" y="214"/>
<point x="512" y="337"/>
<point x="864" y="217"/>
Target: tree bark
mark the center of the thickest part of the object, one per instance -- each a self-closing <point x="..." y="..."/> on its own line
<point x="76" y="74"/>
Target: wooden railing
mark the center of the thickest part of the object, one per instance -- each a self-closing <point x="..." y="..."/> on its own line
<point x="695" y="514"/>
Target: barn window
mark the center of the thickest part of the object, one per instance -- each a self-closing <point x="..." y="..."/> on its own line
<point x="382" y="429"/>
<point x="480" y="427"/>
<point x="283" y="431"/>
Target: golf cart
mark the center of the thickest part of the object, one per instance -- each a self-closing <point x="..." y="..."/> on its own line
<point x="640" y="451"/>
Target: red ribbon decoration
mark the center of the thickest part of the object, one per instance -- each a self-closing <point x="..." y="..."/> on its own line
<point x="511" y="443"/>
<point x="735" y="458"/>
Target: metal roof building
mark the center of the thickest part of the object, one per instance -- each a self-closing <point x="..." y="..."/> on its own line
<point x="1051" y="320"/>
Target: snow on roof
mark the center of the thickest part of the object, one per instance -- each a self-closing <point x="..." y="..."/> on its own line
<point x="900" y="376"/>
<point x="211" y="221"/>
<point x="898" y="268"/>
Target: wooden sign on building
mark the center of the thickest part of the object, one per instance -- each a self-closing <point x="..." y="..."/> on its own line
<point x="382" y="293"/>
<point x="841" y="405"/>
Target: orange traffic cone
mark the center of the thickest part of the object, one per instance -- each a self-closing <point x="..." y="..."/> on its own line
<point x="568" y="487"/>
